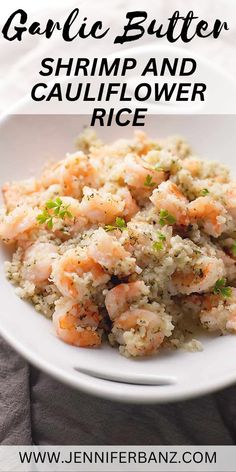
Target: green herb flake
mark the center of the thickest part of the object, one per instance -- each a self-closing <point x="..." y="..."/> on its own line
<point x="233" y="249"/>
<point x="221" y="289"/>
<point x="42" y="217"/>
<point x="119" y="224"/>
<point x="161" y="236"/>
<point x="166" y="218"/>
<point x="54" y="204"/>
<point x="149" y="182"/>
<point x="50" y="223"/>
<point x="45" y="218"/>
<point x="204" y="192"/>
<point x="157" y="245"/>
<point x="53" y="209"/>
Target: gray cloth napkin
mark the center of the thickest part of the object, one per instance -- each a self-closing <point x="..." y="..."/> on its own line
<point x="35" y="408"/>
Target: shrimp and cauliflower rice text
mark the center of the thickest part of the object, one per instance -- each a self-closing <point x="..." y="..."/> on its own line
<point x="134" y="241"/>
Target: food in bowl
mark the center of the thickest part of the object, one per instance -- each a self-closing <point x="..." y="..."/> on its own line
<point x="133" y="241"/>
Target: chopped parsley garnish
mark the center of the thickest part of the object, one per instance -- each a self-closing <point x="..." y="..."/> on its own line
<point x="204" y="192"/>
<point x="53" y="209"/>
<point x="166" y="218"/>
<point x="233" y="249"/>
<point x="158" y="245"/>
<point x="45" y="217"/>
<point x="149" y="182"/>
<point x="221" y="289"/>
<point x="119" y="224"/>
<point x="161" y="236"/>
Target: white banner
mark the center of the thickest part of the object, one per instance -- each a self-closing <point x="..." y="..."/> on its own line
<point x="157" y="73"/>
<point x="117" y="458"/>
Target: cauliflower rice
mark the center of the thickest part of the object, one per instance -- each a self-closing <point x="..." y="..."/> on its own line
<point x="134" y="241"/>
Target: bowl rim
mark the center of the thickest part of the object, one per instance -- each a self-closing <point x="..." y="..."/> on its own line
<point x="88" y="384"/>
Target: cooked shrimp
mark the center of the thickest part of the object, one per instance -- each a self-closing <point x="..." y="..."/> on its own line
<point x="17" y="223"/>
<point x="193" y="165"/>
<point x="107" y="251"/>
<point x="169" y="197"/>
<point x="72" y="173"/>
<point x="73" y="224"/>
<point x="142" y="143"/>
<point x="77" y="324"/>
<point x="75" y="273"/>
<point x="15" y="192"/>
<point x="136" y="172"/>
<point x="229" y="263"/>
<point x="131" y="207"/>
<point x="72" y="204"/>
<point x="201" y="277"/>
<point x="37" y="262"/>
<point x="219" y="314"/>
<point x="209" y="214"/>
<point x="101" y="207"/>
<point x="29" y="193"/>
<point x="119" y="298"/>
<point x="140" y="332"/>
<point x="70" y="224"/>
<point x="50" y="193"/>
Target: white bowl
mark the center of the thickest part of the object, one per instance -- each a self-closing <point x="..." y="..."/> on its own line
<point x="26" y="143"/>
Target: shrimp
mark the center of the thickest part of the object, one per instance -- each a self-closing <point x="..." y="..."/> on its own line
<point x="15" y="192"/>
<point x="131" y="207"/>
<point x="72" y="173"/>
<point x="29" y="193"/>
<point x="141" y="143"/>
<point x="199" y="278"/>
<point x="169" y="197"/>
<point x="16" y="224"/>
<point x="68" y="225"/>
<point x="50" y="193"/>
<point x="73" y="224"/>
<point x="75" y="274"/>
<point x="101" y="207"/>
<point x="209" y="214"/>
<point x="37" y="262"/>
<point x="77" y="324"/>
<point x="140" y="332"/>
<point x="136" y="172"/>
<point x="72" y="204"/>
<point x="107" y="251"/>
<point x="193" y="165"/>
<point x="119" y="298"/>
<point x="229" y="263"/>
<point x="219" y="314"/>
